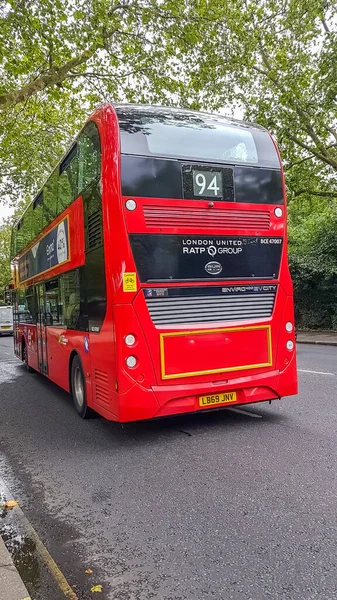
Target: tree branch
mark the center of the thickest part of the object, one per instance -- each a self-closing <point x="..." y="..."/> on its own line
<point x="332" y="131"/>
<point x="301" y="112"/>
<point x="118" y="7"/>
<point x="51" y="77"/>
<point x="325" y="26"/>
<point x="316" y="193"/>
<point x="305" y="159"/>
<point x="298" y="162"/>
<point x="322" y="157"/>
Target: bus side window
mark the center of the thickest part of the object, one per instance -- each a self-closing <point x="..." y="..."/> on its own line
<point x="13" y="243"/>
<point x="26" y="308"/>
<point x="89" y="156"/>
<point x="24" y="230"/>
<point x="50" y="199"/>
<point x="53" y="304"/>
<point x="67" y="183"/>
<point x="31" y="304"/>
<point x="38" y="214"/>
<point x="71" y="301"/>
<point x="19" y="236"/>
<point x="27" y="230"/>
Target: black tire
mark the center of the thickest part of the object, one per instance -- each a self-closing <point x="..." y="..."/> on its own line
<point x="78" y="389"/>
<point x="25" y="358"/>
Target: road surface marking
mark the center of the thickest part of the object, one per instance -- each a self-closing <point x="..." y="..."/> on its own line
<point x="245" y="412"/>
<point x="315" y="372"/>
<point x="51" y="565"/>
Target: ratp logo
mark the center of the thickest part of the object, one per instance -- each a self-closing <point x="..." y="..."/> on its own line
<point x="211" y="250"/>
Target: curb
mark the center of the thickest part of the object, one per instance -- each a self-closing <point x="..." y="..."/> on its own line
<point x="11" y="584"/>
<point x="317" y="343"/>
<point x="40" y="549"/>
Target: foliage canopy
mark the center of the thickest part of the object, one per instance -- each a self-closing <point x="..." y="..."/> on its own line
<point x="274" y="60"/>
<point x="59" y="59"/>
<point x="277" y="60"/>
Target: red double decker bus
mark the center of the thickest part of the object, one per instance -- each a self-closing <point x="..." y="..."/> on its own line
<point x="151" y="270"/>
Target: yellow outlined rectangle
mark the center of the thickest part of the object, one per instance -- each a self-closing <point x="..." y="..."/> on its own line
<point x="162" y="337"/>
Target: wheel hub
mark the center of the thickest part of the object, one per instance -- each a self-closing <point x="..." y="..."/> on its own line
<point x="78" y="387"/>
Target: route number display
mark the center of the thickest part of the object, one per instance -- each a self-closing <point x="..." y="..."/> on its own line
<point x="207" y="183"/>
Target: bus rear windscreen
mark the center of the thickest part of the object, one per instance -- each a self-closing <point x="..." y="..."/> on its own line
<point x="195" y="136"/>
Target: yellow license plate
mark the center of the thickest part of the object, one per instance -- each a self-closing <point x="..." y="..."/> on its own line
<point x="216" y="399"/>
<point x="5" y="327"/>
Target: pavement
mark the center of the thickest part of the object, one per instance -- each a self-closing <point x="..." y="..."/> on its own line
<point x="328" y="338"/>
<point x="11" y="584"/>
<point x="228" y="505"/>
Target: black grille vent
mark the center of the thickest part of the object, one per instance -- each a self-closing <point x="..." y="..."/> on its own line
<point x="183" y="310"/>
<point x="102" y="388"/>
<point x="95" y="238"/>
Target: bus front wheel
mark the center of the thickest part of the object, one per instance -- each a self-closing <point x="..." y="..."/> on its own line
<point x="78" y="388"/>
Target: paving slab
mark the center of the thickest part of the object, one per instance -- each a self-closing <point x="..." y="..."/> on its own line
<point x="324" y="338"/>
<point x="11" y="584"/>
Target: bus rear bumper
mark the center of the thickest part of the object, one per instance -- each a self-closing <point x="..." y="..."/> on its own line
<point x="181" y="399"/>
<point x="169" y="400"/>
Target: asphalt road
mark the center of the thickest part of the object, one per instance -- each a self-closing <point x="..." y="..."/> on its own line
<point x="216" y="506"/>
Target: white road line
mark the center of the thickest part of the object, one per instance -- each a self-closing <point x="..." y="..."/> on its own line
<point x="316" y="372"/>
<point x="245" y="412"/>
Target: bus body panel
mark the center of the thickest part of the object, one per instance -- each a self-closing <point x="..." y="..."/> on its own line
<point x="161" y="401"/>
<point x="176" y="363"/>
<point x="231" y="334"/>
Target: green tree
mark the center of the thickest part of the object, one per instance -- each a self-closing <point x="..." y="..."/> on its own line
<point x="5" y="271"/>
<point x="278" y="61"/>
<point x="58" y="59"/>
<point x="312" y="256"/>
<point x="275" y="59"/>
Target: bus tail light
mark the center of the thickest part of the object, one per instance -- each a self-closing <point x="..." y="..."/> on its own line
<point x="130" y="339"/>
<point x="131" y="204"/>
<point x="286" y="352"/>
<point x="131" y="361"/>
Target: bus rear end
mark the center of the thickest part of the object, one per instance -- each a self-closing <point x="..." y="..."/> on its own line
<point x="203" y="310"/>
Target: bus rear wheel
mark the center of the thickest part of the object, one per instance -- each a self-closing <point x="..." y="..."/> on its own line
<point x="25" y="358"/>
<point x="78" y="388"/>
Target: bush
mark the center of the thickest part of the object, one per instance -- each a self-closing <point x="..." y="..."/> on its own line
<point x="313" y="265"/>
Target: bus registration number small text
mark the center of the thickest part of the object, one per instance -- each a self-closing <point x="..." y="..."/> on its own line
<point x="216" y="399"/>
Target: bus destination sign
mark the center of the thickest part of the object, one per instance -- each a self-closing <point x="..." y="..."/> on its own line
<point x="49" y="252"/>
